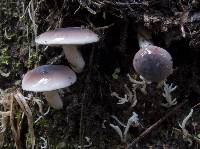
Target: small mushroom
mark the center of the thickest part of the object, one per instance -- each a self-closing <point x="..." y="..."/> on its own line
<point x="47" y="79"/>
<point x="69" y="38"/>
<point x="151" y="62"/>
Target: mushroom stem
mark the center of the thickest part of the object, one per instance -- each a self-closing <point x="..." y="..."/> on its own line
<point x="53" y="99"/>
<point x="74" y="57"/>
<point x="144" y="37"/>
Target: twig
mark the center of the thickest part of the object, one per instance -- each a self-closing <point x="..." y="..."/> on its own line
<point x="87" y="80"/>
<point x="31" y="12"/>
<point x="189" y="135"/>
<point x="126" y="3"/>
<point x="148" y="130"/>
<point x="196" y="105"/>
<point x="85" y="5"/>
<point x="133" y="3"/>
<point x="42" y="115"/>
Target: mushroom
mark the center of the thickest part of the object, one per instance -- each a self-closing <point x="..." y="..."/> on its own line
<point x="151" y="62"/>
<point x="69" y="38"/>
<point x="47" y="79"/>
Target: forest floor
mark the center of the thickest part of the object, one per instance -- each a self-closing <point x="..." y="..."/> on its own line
<point x="88" y="111"/>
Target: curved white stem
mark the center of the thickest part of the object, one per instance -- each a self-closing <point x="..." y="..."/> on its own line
<point x="74" y="57"/>
<point x="53" y="99"/>
<point x="144" y="37"/>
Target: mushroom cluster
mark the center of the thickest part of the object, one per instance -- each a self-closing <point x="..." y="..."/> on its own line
<point x="49" y="78"/>
<point x="153" y="63"/>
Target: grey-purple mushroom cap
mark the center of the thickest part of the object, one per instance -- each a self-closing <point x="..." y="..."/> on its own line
<point x="67" y="36"/>
<point x="153" y="63"/>
<point x="48" y="78"/>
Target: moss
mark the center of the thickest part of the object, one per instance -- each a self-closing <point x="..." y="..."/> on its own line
<point x="18" y="115"/>
<point x="4" y="57"/>
<point x="17" y="65"/>
<point x="43" y="122"/>
<point x="33" y="60"/>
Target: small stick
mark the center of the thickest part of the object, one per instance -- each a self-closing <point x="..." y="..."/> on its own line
<point x="83" y="101"/>
<point x="188" y="135"/>
<point x="148" y="130"/>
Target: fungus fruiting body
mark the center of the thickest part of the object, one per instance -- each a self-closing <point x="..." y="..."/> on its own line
<point x="152" y="62"/>
<point x="69" y="39"/>
<point x="47" y="79"/>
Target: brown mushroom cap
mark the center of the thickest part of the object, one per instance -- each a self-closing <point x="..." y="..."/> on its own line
<point x="153" y="63"/>
<point x="65" y="36"/>
<point x="48" y="78"/>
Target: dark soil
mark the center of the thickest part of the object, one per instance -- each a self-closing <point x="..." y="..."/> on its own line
<point x="89" y="104"/>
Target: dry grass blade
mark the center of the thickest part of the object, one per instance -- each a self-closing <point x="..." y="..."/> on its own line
<point x="26" y="109"/>
<point x="5" y="115"/>
<point x="7" y="111"/>
<point x="15" y="108"/>
<point x="16" y="133"/>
